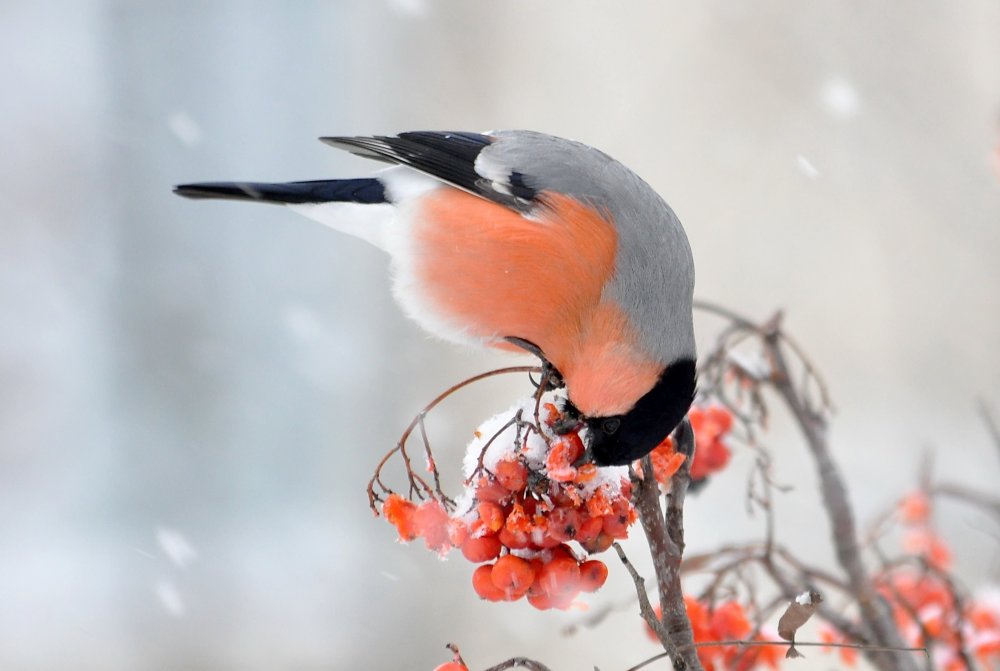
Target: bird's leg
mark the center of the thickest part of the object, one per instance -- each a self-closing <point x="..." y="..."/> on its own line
<point x="551" y="378"/>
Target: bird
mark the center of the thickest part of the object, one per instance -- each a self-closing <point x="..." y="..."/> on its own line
<point x="521" y="240"/>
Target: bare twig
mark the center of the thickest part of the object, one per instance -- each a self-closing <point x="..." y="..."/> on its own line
<point x="645" y="607"/>
<point x="874" y="608"/>
<point x="990" y="504"/>
<point x="418" y="486"/>
<point x="759" y="643"/>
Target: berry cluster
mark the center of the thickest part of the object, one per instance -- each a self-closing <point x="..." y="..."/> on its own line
<point x="915" y="514"/>
<point x="710" y="424"/>
<point x="925" y="605"/>
<point x="727" y="621"/>
<point x="527" y="497"/>
<point x="924" y="602"/>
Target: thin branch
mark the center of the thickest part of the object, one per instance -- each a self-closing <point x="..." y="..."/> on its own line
<point x="806" y="644"/>
<point x="874" y="608"/>
<point x="417" y="484"/>
<point x="990" y="504"/>
<point x="645" y="607"/>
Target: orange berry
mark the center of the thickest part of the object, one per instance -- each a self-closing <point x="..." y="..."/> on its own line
<point x="915" y="508"/>
<point x="720" y="417"/>
<point x="491" y="519"/>
<point x="541" y="600"/>
<point x="563" y="496"/>
<point x="458" y="532"/>
<point x="561" y="551"/>
<point x="564" y="452"/>
<point x="600" y="543"/>
<point x="478" y="550"/>
<point x="561" y="577"/>
<point x="543" y="540"/>
<point x="400" y="513"/>
<point x="515" y="540"/>
<point x="563" y="524"/>
<point x="585" y="473"/>
<point x="550" y="414"/>
<point x="517" y="519"/>
<point x="431" y="522"/>
<point x="593" y="573"/>
<point x="598" y="504"/>
<point x="616" y="526"/>
<point x="729" y="621"/>
<point x="512" y="475"/>
<point x="488" y="489"/>
<point x="666" y="461"/>
<point x="589" y="528"/>
<point x="451" y="666"/>
<point x="482" y="583"/>
<point x="513" y="576"/>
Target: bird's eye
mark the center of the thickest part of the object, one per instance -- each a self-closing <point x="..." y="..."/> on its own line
<point x="610" y="425"/>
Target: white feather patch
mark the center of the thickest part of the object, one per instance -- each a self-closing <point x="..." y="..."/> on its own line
<point x="402" y="183"/>
<point x="369" y="222"/>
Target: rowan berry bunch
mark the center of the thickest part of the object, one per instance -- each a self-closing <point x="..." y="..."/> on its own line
<point x="533" y="510"/>
<point x="711" y="425"/>
<point x="727" y="621"/>
<point x="927" y="605"/>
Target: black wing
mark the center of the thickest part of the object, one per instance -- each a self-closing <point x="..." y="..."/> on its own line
<point x="448" y="156"/>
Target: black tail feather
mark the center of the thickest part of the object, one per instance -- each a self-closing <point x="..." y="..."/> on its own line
<point x="317" y="191"/>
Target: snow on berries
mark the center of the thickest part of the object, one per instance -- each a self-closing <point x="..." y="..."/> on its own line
<point x="532" y="510"/>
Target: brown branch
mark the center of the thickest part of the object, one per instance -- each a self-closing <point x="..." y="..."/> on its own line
<point x="990" y="504"/>
<point x="874" y="609"/>
<point x="807" y="644"/>
<point x="645" y="607"/>
<point x="417" y="484"/>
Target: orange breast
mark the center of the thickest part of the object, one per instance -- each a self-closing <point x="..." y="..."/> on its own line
<point x="500" y="274"/>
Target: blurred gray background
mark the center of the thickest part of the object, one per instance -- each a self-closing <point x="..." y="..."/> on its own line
<point x="193" y="395"/>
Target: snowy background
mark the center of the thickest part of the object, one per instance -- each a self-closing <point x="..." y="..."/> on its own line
<point x="193" y="395"/>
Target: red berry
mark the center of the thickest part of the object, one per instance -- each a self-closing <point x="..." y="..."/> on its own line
<point x="491" y="519"/>
<point x="593" y="573"/>
<point x="513" y="475"/>
<point x="601" y="543"/>
<point x="515" y="540"/>
<point x="488" y="489"/>
<point x="482" y="583"/>
<point x="478" y="550"/>
<point x="589" y="529"/>
<point x="401" y="513"/>
<point x="513" y="576"/>
<point x="563" y="524"/>
<point x="561" y="577"/>
<point x="431" y="522"/>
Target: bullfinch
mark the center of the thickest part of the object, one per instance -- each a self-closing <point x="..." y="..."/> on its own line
<point x="521" y="240"/>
